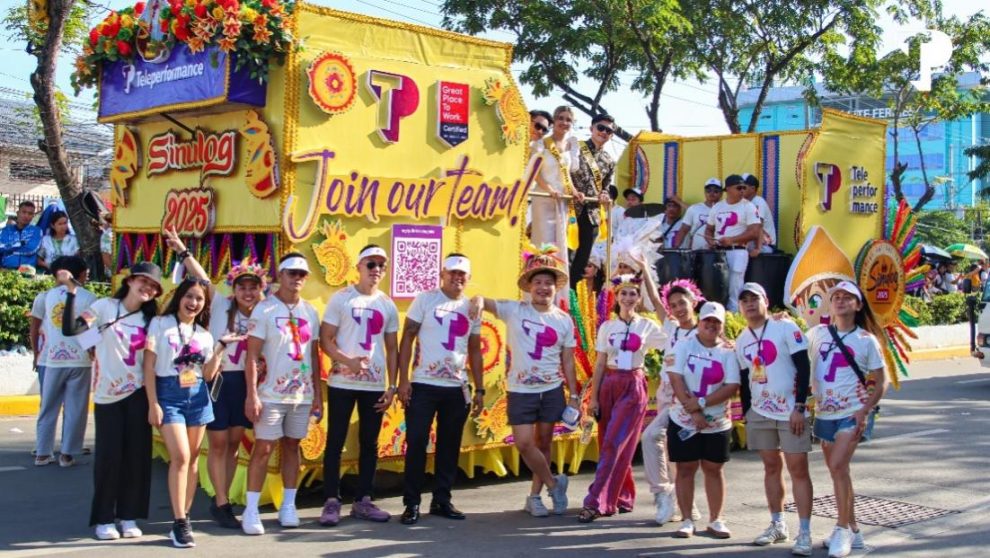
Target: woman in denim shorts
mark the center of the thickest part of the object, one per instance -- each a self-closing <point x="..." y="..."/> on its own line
<point x="846" y="400"/>
<point x="179" y="359"/>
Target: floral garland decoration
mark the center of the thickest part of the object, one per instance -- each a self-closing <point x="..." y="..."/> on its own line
<point x="256" y="30"/>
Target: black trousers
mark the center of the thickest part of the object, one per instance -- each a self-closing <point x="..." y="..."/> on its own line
<point x="587" y="235"/>
<point x="340" y="407"/>
<point x="122" y="460"/>
<point x="448" y="406"/>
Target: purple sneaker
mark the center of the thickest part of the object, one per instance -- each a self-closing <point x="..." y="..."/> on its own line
<point x="331" y="513"/>
<point x="365" y="509"/>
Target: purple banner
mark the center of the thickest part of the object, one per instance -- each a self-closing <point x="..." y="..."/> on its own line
<point x="415" y="259"/>
<point x="182" y="81"/>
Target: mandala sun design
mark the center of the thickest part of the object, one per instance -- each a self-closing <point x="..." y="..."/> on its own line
<point x="491" y="345"/>
<point x="332" y="83"/>
<point x="493" y="422"/>
<point x="510" y="110"/>
<point x="332" y="253"/>
<point x="314" y="442"/>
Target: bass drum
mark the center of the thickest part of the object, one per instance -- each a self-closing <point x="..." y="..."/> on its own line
<point x="770" y="270"/>
<point x="711" y="273"/>
<point x="675" y="264"/>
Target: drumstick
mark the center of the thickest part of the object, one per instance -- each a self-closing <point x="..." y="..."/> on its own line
<point x="546" y="195"/>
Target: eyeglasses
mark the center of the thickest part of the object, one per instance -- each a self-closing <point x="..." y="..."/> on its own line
<point x="604" y="128"/>
<point x="375" y="265"/>
<point x="541" y="128"/>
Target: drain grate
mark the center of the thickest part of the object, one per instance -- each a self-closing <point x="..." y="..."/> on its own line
<point x="877" y="511"/>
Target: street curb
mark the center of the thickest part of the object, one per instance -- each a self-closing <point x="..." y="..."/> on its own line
<point x="22" y="405"/>
<point x="940" y="353"/>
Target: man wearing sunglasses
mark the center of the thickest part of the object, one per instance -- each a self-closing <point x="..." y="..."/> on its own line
<point x="539" y="124"/>
<point x="696" y="218"/>
<point x="360" y="333"/>
<point x="732" y="223"/>
<point x="591" y="175"/>
<point x="768" y="239"/>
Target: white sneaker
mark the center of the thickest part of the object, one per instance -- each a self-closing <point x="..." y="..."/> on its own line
<point x="840" y="543"/>
<point x="686" y="530"/>
<point x="129" y="529"/>
<point x="559" y="495"/>
<point x="107" y="532"/>
<point x="775" y="533"/>
<point x="664" y="503"/>
<point x="287" y="516"/>
<point x="534" y="505"/>
<point x="718" y="529"/>
<point x="251" y="522"/>
<point x="858" y="543"/>
<point x="802" y="544"/>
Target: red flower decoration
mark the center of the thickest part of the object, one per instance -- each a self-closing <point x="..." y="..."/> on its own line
<point x="139" y="8"/>
<point x="94" y="36"/>
<point x="200" y="10"/>
<point x="124" y="48"/>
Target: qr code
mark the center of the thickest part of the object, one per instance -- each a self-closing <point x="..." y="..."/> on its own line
<point x="416" y="268"/>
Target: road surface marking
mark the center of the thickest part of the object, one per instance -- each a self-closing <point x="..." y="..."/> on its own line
<point x="919" y="434"/>
<point x="978" y="380"/>
<point x="13" y="468"/>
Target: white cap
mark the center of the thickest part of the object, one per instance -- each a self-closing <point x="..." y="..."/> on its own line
<point x="754" y="288"/>
<point x="372" y="251"/>
<point x="457" y="263"/>
<point x="847" y="286"/>
<point x="712" y="310"/>
<point x="713" y="182"/>
<point x="297" y="263"/>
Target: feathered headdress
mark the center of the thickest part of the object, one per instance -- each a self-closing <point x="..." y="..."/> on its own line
<point x="247" y="267"/>
<point x="686" y="284"/>
<point x="544" y="258"/>
<point x="625" y="281"/>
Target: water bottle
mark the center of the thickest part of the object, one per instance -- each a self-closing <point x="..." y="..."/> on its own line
<point x="686" y="433"/>
<point x="570" y="417"/>
<point x="587" y="424"/>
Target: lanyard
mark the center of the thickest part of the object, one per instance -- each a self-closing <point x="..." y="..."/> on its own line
<point x="686" y="333"/>
<point x="185" y="345"/>
<point x="625" y="338"/>
<point x="120" y="305"/>
<point x="758" y="359"/>
<point x="294" y="330"/>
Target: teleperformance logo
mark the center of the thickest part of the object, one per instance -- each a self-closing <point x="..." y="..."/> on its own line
<point x="136" y="79"/>
<point x="933" y="54"/>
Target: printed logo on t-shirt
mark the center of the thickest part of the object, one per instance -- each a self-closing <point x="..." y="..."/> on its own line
<point x="55" y="316"/>
<point x="726" y="219"/>
<point x="712" y="372"/>
<point x="136" y="338"/>
<point x="543" y="336"/>
<point x="305" y="334"/>
<point x="372" y="321"/>
<point x="456" y="324"/>
<point x="838" y="359"/>
<point x="625" y="341"/>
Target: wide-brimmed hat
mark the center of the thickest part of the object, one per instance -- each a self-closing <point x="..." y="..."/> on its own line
<point x="542" y="260"/>
<point x="149" y="270"/>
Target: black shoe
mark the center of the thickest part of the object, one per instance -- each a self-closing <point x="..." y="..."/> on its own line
<point x="446" y="510"/>
<point x="224" y="515"/>
<point x="410" y="516"/>
<point x="181" y="534"/>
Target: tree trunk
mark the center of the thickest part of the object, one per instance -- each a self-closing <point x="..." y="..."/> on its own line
<point x="66" y="178"/>
<point x="929" y="189"/>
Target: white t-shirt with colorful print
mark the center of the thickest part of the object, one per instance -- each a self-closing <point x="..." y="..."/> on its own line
<point x="58" y="350"/>
<point x="120" y="352"/>
<point x="169" y="339"/>
<point x="626" y="344"/>
<point x="536" y="341"/>
<point x="236" y="354"/>
<point x="732" y="219"/>
<point x="443" y="338"/>
<point x="675" y="334"/>
<point x="362" y="322"/>
<point x="772" y="374"/>
<point x="838" y="391"/>
<point x="704" y="371"/>
<point x="289" y="333"/>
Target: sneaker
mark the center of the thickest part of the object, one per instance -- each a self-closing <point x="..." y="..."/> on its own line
<point x="107" y="532"/>
<point x="802" y="544"/>
<point x="559" y="495"/>
<point x="857" y="541"/>
<point x="181" y="534"/>
<point x="224" y="515"/>
<point x="42" y="460"/>
<point x="331" y="513"/>
<point x="366" y="509"/>
<point x="66" y="460"/>
<point x="664" y="503"/>
<point x="251" y="522"/>
<point x="287" y="516"/>
<point x="129" y="529"/>
<point x="686" y="531"/>
<point x="534" y="505"/>
<point x="718" y="529"/>
<point x="775" y="533"/>
<point x="840" y="543"/>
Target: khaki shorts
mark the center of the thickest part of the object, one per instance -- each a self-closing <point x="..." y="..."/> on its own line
<point x="282" y="420"/>
<point x="764" y="433"/>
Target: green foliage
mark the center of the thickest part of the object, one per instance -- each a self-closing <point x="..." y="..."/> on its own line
<point x="653" y="362"/>
<point x="923" y="309"/>
<point x="17" y="293"/>
<point x="981" y="171"/>
<point x="941" y="228"/>
<point x="948" y="309"/>
<point x="23" y="27"/>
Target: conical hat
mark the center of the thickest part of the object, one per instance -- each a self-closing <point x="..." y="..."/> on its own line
<point x="819" y="258"/>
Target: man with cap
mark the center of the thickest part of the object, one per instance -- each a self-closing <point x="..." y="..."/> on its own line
<point x="360" y="333"/>
<point x="773" y="356"/>
<point x="539" y="124"/>
<point x="449" y="343"/>
<point x="281" y="399"/>
<point x="541" y="340"/>
<point x="704" y="375"/>
<point x="692" y="229"/>
<point x="766" y="241"/>
<point x="591" y="176"/>
<point x="732" y="223"/>
<point x="633" y="197"/>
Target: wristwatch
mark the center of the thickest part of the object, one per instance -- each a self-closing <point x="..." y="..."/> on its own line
<point x="479" y="391"/>
<point x="701" y="402"/>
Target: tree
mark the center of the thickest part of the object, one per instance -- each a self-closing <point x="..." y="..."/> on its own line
<point x="981" y="170"/>
<point x="48" y="28"/>
<point x="597" y="39"/>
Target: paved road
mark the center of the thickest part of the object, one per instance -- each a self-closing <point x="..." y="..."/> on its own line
<point x="932" y="450"/>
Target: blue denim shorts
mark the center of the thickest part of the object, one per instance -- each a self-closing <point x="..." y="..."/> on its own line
<point x="826" y="429"/>
<point x="190" y="406"/>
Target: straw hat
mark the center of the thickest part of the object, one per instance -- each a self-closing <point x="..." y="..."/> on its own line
<point x="543" y="259"/>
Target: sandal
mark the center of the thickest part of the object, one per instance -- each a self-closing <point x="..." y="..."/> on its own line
<point x="42" y="460"/>
<point x="588" y="515"/>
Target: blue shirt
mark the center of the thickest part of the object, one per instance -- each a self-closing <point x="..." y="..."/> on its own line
<point x="19" y="246"/>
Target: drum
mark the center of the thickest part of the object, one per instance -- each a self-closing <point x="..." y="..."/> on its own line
<point x="675" y="264"/>
<point x="711" y="273"/>
<point x="770" y="270"/>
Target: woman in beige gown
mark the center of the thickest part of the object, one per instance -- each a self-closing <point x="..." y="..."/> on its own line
<point x="549" y="214"/>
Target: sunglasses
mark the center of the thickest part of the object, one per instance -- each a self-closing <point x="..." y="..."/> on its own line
<point x="604" y="128"/>
<point x="296" y="273"/>
<point x="195" y="281"/>
<point x="189" y="358"/>
<point x="541" y="128"/>
<point x="741" y="187"/>
<point x="375" y="265"/>
<point x="712" y="189"/>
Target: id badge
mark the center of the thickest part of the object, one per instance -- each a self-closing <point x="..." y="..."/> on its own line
<point x="759" y="374"/>
<point x="624" y="360"/>
<point x="89" y="338"/>
<point x="188" y="378"/>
